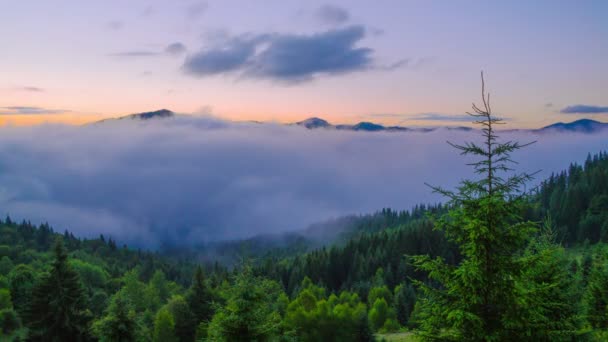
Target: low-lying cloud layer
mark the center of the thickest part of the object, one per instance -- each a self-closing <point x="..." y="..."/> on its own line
<point x="191" y="179"/>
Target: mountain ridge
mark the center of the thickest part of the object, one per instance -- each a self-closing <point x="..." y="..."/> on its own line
<point x="585" y="125"/>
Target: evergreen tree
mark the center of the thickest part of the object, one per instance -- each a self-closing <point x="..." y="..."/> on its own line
<point x="185" y="325"/>
<point x="58" y="309"/>
<point x="119" y="324"/>
<point x="364" y="332"/>
<point x="478" y="298"/>
<point x="199" y="298"/>
<point x="379" y="313"/>
<point x="21" y="283"/>
<point x="405" y="298"/>
<point x="249" y="314"/>
<point x="164" y="326"/>
<point x="597" y="293"/>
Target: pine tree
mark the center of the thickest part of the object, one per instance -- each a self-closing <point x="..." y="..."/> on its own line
<point x="199" y="298"/>
<point x="597" y="293"/>
<point x="164" y="326"/>
<point x="249" y="314"/>
<point x="119" y="324"/>
<point x="364" y="332"/>
<point x="58" y="308"/>
<point x="185" y="325"/>
<point x="476" y="299"/>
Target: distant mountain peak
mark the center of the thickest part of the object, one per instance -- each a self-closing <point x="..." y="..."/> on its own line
<point x="368" y="126"/>
<point x="161" y="113"/>
<point x="582" y="125"/>
<point x="157" y="114"/>
<point x="313" y="122"/>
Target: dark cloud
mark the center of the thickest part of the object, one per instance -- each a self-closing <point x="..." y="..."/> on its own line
<point x="192" y="179"/>
<point x="230" y="56"/>
<point x="585" y="109"/>
<point x="285" y="57"/>
<point x="175" y="49"/>
<point x="24" y="110"/>
<point x="332" y="15"/>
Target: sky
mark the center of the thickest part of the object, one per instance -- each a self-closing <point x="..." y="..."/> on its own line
<point x="394" y="62"/>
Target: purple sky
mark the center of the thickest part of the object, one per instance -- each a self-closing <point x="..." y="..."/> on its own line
<point x="400" y="62"/>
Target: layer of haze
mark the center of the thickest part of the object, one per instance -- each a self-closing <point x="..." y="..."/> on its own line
<point x="192" y="179"/>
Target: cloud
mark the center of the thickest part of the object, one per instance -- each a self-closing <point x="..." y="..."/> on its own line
<point x="192" y="179"/>
<point x="232" y="55"/>
<point x="31" y="89"/>
<point x="23" y="110"/>
<point x="585" y="109"/>
<point x="442" y="117"/>
<point x="115" y="25"/>
<point x="332" y="15"/>
<point x="135" y="53"/>
<point x="425" y="117"/>
<point x="175" y="49"/>
<point x="284" y="57"/>
<point x="196" y="9"/>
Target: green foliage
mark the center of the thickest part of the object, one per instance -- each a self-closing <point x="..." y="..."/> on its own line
<point x="58" y="310"/>
<point x="249" y="314"/>
<point x="379" y="313"/>
<point x="596" y="296"/>
<point x="185" y="323"/>
<point x="405" y="299"/>
<point x="119" y="324"/>
<point x="5" y="299"/>
<point x="9" y="321"/>
<point x="576" y="200"/>
<point x="6" y="265"/>
<point x="313" y="317"/>
<point x="21" y="283"/>
<point x="379" y="292"/>
<point x="482" y="298"/>
<point x="164" y="326"/>
<point x="92" y="276"/>
<point x="199" y="298"/>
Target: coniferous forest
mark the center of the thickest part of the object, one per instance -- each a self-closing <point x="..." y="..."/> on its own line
<point x="494" y="262"/>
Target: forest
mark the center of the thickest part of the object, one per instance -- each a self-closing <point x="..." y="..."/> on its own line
<point x="493" y="263"/>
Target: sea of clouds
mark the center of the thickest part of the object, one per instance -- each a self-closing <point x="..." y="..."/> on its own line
<point x="187" y="180"/>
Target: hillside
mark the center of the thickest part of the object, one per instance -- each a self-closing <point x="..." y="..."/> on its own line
<point x="369" y="259"/>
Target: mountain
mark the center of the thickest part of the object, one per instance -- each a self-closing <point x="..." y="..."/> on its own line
<point x="581" y="126"/>
<point x="157" y="114"/>
<point x="314" y="122"/>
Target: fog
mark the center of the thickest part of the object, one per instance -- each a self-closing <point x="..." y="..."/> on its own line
<point x="187" y="180"/>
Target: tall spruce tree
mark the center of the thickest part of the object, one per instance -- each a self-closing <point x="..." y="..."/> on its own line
<point x="58" y="309"/>
<point x="199" y="298"/>
<point x="119" y="324"/>
<point x="479" y="299"/>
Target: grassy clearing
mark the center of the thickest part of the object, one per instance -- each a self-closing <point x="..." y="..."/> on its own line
<point x="397" y="337"/>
